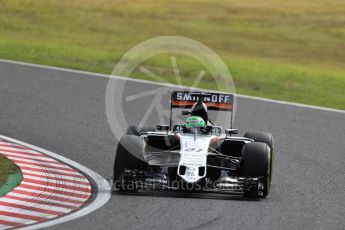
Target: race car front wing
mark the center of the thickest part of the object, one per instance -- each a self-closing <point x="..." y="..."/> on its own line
<point x="248" y="186"/>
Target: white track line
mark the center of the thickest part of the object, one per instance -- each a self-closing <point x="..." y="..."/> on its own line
<point x="27" y="212"/>
<point x="37" y="198"/>
<point x="38" y="193"/>
<point x="51" y="181"/>
<point x="26" y="156"/>
<point x="35" y="205"/>
<point x="12" y="145"/>
<point x="21" y="151"/>
<point x="52" y="170"/>
<point x="35" y="162"/>
<point x="61" y="189"/>
<point x="31" y="194"/>
<point x="86" y="73"/>
<point x="57" y="176"/>
<point x="15" y="219"/>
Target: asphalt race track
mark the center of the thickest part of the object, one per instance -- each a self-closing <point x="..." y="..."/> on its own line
<point x="65" y="113"/>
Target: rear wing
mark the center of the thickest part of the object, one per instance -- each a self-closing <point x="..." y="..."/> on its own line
<point x="213" y="101"/>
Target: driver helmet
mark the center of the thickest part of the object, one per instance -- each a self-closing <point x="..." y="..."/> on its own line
<point x="194" y="124"/>
<point x="200" y="109"/>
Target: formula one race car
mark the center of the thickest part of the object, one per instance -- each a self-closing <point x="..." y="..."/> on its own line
<point x="196" y="155"/>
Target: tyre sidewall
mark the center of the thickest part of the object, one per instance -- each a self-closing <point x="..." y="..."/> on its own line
<point x="129" y="155"/>
<point x="256" y="163"/>
<point x="266" y="138"/>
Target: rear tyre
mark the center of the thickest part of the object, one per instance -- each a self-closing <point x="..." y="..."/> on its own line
<point x="256" y="163"/>
<point x="266" y="138"/>
<point x="133" y="130"/>
<point x="128" y="154"/>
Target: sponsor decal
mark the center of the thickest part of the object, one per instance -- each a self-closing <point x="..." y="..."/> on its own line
<point x="216" y="131"/>
<point x="213" y="101"/>
<point x="215" y="98"/>
<point x="178" y="129"/>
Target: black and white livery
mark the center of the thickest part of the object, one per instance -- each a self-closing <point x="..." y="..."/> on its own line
<point x="205" y="159"/>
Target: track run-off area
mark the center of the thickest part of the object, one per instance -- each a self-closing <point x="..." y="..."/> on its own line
<point x="49" y="190"/>
<point x="64" y="111"/>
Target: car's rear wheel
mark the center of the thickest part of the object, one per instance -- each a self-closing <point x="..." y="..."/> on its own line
<point x="256" y="163"/>
<point x="266" y="138"/>
<point x="128" y="154"/>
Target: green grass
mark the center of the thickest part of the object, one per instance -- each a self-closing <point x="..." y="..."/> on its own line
<point x="288" y="50"/>
<point x="7" y="167"/>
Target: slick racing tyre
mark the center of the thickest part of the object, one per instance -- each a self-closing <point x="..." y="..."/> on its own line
<point x="127" y="156"/>
<point x="266" y="138"/>
<point x="256" y="163"/>
<point x="133" y="130"/>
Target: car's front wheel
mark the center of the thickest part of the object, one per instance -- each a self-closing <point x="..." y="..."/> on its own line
<point x="266" y="138"/>
<point x="128" y="154"/>
<point x="256" y="163"/>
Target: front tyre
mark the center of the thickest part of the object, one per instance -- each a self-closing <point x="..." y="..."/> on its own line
<point x="266" y="138"/>
<point x="256" y="163"/>
<point x="128" y="154"/>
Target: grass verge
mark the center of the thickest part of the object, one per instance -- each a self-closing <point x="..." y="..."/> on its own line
<point x="7" y="167"/>
<point x="286" y="50"/>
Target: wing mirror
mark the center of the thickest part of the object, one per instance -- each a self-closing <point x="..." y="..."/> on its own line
<point x="231" y="131"/>
<point x="163" y="127"/>
<point x="185" y="112"/>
